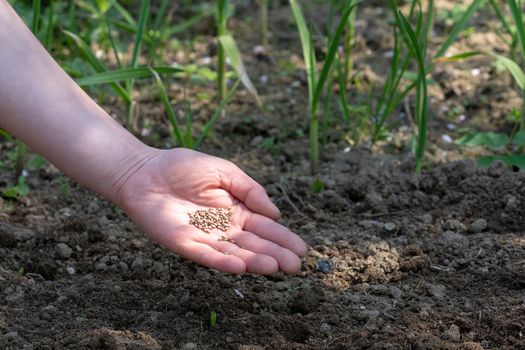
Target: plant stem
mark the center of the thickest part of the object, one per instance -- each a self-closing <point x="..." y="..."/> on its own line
<point x="141" y="28"/>
<point x="264" y="23"/>
<point x="314" y="142"/>
<point x="349" y="43"/>
<point x="221" y="55"/>
<point x="522" y="126"/>
<point x="49" y="29"/>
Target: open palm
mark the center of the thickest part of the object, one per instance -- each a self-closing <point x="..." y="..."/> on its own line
<point x="171" y="184"/>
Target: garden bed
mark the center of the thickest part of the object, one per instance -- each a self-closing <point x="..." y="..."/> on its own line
<point x="396" y="259"/>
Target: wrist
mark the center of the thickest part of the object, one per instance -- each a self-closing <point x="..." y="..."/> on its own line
<point x="117" y="183"/>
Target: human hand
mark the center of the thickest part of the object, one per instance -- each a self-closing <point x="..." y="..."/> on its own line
<point x="170" y="184"/>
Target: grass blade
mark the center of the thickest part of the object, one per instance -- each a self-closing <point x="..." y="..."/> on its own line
<point x="37" y="5"/>
<point x="330" y="56"/>
<point x="518" y="22"/>
<point x="141" y="27"/>
<point x="218" y="112"/>
<point x="513" y="69"/>
<point x="306" y="43"/>
<point x="49" y="30"/>
<point x="221" y="19"/>
<point x="232" y="51"/>
<point x="96" y="64"/>
<point x="458" y="27"/>
<point x="422" y="98"/>
<point x="125" y="14"/>
<point x="113" y="76"/>
<point x="177" y="136"/>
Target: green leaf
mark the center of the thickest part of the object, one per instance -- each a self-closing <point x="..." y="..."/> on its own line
<point x="306" y="43"/>
<point x="125" y="14"/>
<point x="489" y="139"/>
<point x="514" y="159"/>
<point x="458" y="57"/>
<point x="458" y="27"/>
<point x="518" y="22"/>
<point x="36" y="163"/>
<point x="125" y="74"/>
<point x="317" y="186"/>
<point x="513" y="68"/>
<point x="36" y="15"/>
<point x="177" y="136"/>
<point x="213" y="319"/>
<point x="519" y="139"/>
<point x="330" y="56"/>
<point x="141" y="27"/>
<point x="96" y="64"/>
<point x="207" y="127"/>
<point x="232" y="51"/>
<point x="17" y="191"/>
<point x="418" y="51"/>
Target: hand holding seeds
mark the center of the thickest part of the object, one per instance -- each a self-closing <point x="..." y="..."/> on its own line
<point x="209" y="211"/>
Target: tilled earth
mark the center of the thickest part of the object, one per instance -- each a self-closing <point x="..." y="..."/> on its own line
<point x="396" y="260"/>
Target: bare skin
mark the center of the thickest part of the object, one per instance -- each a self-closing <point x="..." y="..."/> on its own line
<point x="43" y="107"/>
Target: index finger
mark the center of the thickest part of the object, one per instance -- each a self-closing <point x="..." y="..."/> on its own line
<point x="248" y="191"/>
<point x="273" y="231"/>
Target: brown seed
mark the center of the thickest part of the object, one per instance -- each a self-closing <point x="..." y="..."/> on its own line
<point x="208" y="219"/>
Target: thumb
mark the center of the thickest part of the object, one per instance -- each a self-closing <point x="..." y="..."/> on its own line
<point x="248" y="191"/>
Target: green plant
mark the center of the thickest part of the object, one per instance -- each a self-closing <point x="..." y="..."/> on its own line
<point x="186" y="139"/>
<point x="18" y="190"/>
<point x="228" y="48"/>
<point x="141" y="28"/>
<point x="263" y="6"/>
<point x="418" y="50"/>
<point x="349" y="42"/>
<point x="317" y="186"/>
<point x="517" y="17"/>
<point x="513" y="43"/>
<point x="137" y="28"/>
<point x="213" y="319"/>
<point x="316" y="81"/>
<point x="499" y="140"/>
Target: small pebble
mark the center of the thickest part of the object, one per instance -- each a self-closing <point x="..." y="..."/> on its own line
<point x="436" y="290"/>
<point x="477" y="226"/>
<point x="324" y="266"/>
<point x="189" y="346"/>
<point x="64" y="251"/>
<point x="101" y="267"/>
<point x="390" y="227"/>
<point x="325" y="328"/>
<point x="122" y="266"/>
<point x="452" y="334"/>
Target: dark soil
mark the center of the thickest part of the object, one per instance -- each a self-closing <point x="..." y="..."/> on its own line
<point x="395" y="261"/>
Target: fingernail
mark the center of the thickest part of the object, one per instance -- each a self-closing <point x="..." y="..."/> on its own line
<point x="276" y="209"/>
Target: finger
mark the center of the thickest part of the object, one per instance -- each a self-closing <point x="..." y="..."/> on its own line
<point x="288" y="261"/>
<point x="248" y="191"/>
<point x="205" y="255"/>
<point x="255" y="263"/>
<point x="275" y="232"/>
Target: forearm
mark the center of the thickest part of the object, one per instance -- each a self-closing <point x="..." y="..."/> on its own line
<point x="41" y="105"/>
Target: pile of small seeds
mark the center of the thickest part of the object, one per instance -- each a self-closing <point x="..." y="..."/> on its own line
<point x="208" y="219"/>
